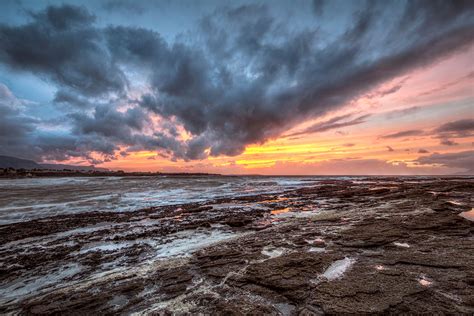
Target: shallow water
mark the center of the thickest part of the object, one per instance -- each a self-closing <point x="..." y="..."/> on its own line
<point x="26" y="199"/>
<point x="469" y="215"/>
<point x="143" y="258"/>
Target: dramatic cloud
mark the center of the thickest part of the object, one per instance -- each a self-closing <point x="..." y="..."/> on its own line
<point x="462" y="160"/>
<point x="455" y="129"/>
<point x="460" y="128"/>
<point x="15" y="127"/>
<point x="135" y="7"/>
<point x="62" y="44"/>
<point x="243" y="76"/>
<point x="19" y="135"/>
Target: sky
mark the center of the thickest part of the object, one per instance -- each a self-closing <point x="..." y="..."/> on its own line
<point x="240" y="87"/>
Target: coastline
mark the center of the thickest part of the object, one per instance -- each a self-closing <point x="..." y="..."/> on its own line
<point x="384" y="245"/>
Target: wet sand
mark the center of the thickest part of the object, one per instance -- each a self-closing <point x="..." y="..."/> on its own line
<point x="376" y="246"/>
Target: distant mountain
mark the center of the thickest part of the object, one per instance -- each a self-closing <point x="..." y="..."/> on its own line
<point x="18" y="163"/>
<point x="70" y="167"/>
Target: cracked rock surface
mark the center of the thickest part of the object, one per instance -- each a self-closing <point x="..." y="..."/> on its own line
<point x="373" y="246"/>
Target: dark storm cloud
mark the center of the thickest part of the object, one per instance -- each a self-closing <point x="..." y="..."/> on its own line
<point x="242" y="76"/>
<point x="408" y="133"/>
<point x="63" y="17"/>
<point x="62" y="147"/>
<point x="136" y="7"/>
<point x="464" y="160"/>
<point x="14" y="126"/>
<point x="62" y="45"/>
<point x="283" y="79"/>
<point x="108" y="122"/>
<point x="19" y="136"/>
<point x="65" y="97"/>
<point x="318" y="7"/>
<point x="123" y="128"/>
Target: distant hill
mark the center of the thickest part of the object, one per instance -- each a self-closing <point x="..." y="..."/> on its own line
<point x="18" y="163"/>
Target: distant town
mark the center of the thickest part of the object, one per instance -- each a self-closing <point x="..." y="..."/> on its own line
<point x="13" y="167"/>
<point x="11" y="173"/>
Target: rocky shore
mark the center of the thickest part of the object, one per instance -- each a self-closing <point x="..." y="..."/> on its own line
<point x="373" y="246"/>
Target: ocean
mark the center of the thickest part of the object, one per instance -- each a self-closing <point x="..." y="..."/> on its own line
<point x="27" y="199"/>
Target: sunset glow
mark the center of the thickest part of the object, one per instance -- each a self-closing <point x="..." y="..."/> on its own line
<point x="236" y="157"/>
<point x="395" y="124"/>
<point x="427" y="98"/>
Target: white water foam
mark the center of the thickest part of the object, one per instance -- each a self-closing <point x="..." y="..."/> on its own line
<point x="401" y="244"/>
<point x="187" y="242"/>
<point x="272" y="252"/>
<point x="55" y="196"/>
<point x="338" y="268"/>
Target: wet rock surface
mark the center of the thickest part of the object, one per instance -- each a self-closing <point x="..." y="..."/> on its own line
<point x="377" y="246"/>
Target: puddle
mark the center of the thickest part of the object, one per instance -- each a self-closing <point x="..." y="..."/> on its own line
<point x="285" y="309"/>
<point x="22" y="288"/>
<point x="291" y="213"/>
<point x="118" y="301"/>
<point x="469" y="215"/>
<point x="281" y="211"/>
<point x="276" y="200"/>
<point x="424" y="281"/>
<point x="187" y="242"/>
<point x="106" y="246"/>
<point x="338" y="268"/>
<point x="272" y="252"/>
<point x="235" y="205"/>
<point x="318" y="241"/>
<point x="316" y="249"/>
<point x="401" y="244"/>
<point x="379" y="188"/>
<point x="181" y="244"/>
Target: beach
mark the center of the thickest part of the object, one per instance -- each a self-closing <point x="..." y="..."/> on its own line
<point x="237" y="245"/>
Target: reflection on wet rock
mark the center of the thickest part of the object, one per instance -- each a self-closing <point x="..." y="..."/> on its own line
<point x="326" y="246"/>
